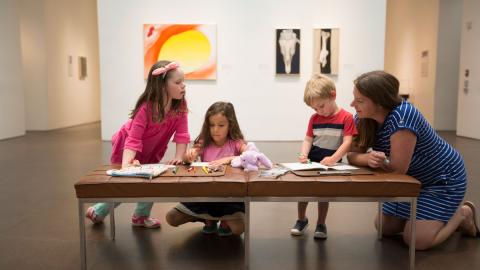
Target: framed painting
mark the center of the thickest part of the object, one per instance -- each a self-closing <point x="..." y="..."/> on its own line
<point x="193" y="46"/>
<point x="326" y="48"/>
<point x="287" y="43"/>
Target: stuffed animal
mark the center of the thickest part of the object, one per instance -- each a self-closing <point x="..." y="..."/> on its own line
<point x="251" y="159"/>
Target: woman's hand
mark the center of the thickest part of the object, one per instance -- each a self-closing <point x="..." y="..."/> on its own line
<point x="222" y="161"/>
<point x="376" y="159"/>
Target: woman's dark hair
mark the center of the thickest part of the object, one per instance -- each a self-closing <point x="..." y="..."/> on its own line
<point x="227" y="110"/>
<point x="154" y="94"/>
<point x="382" y="88"/>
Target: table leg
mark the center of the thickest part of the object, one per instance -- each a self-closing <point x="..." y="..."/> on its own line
<point x="413" y="219"/>
<point x="247" y="234"/>
<point x="112" y="221"/>
<point x="81" y="223"/>
<point x="380" y="221"/>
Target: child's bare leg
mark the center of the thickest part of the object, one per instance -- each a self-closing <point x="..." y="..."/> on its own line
<point x="302" y="209"/>
<point x="322" y="212"/>
<point x="390" y="225"/>
<point x="175" y="218"/>
<point x="237" y="226"/>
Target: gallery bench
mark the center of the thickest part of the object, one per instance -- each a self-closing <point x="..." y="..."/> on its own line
<point x="237" y="186"/>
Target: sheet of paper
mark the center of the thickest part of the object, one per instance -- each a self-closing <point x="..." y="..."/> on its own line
<point x="344" y="167"/>
<point x="297" y="166"/>
<point x="199" y="164"/>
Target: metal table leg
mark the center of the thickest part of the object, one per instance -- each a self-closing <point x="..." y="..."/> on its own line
<point x="413" y="218"/>
<point x="247" y="234"/>
<point x="380" y="221"/>
<point x="81" y="223"/>
<point x="112" y="221"/>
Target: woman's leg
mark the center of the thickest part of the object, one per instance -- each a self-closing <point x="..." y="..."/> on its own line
<point x="391" y="225"/>
<point x="176" y="218"/>
<point x="429" y="233"/>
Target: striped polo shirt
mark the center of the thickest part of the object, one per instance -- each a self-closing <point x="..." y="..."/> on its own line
<point x="328" y="132"/>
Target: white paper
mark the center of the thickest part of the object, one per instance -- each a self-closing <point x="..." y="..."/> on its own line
<point x="297" y="166"/>
<point x="199" y="164"/>
<point x="344" y="167"/>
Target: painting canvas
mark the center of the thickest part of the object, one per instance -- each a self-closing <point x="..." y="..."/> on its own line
<point x="193" y="46"/>
<point x="326" y="48"/>
<point x="287" y="51"/>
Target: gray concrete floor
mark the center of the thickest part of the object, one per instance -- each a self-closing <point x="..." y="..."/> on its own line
<point x="39" y="224"/>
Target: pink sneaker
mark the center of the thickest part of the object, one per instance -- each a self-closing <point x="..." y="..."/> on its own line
<point x="144" y="221"/>
<point x="96" y="219"/>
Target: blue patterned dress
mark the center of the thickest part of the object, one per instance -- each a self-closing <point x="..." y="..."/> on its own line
<point x="436" y="164"/>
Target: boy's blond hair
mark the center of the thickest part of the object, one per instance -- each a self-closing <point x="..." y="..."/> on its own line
<point x="319" y="86"/>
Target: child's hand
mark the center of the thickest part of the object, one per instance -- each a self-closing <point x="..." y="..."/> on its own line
<point x="376" y="159"/>
<point x="190" y="155"/>
<point x="328" y="161"/>
<point x="302" y="158"/>
<point x="133" y="163"/>
<point x="222" y="161"/>
<point x="175" y="161"/>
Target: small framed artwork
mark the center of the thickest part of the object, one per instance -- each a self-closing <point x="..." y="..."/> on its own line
<point x="193" y="46"/>
<point x="82" y="67"/>
<point x="287" y="43"/>
<point x="326" y="48"/>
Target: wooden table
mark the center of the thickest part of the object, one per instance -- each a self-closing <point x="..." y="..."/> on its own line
<point x="237" y="186"/>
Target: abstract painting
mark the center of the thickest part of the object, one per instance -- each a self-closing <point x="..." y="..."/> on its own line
<point x="287" y="51"/>
<point x="193" y="46"/>
<point x="326" y="48"/>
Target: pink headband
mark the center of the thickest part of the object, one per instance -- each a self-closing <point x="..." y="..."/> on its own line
<point x="165" y="69"/>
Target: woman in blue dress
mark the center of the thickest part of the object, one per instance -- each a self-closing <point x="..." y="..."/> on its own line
<point x="394" y="136"/>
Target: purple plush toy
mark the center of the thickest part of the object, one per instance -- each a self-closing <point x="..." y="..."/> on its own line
<point x="251" y="159"/>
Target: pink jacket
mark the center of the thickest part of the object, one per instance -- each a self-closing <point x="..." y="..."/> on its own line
<point x="148" y="138"/>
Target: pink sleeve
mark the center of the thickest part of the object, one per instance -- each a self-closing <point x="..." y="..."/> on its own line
<point x="181" y="132"/>
<point x="238" y="147"/>
<point x="137" y="128"/>
<point x="310" y="127"/>
<point x="349" y="128"/>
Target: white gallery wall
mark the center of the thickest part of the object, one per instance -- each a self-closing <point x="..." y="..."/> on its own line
<point x="269" y="107"/>
<point x="12" y="105"/>
<point x="469" y="87"/>
<point x="51" y="31"/>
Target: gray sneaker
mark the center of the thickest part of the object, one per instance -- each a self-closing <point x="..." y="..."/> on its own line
<point x="320" y="232"/>
<point x="299" y="227"/>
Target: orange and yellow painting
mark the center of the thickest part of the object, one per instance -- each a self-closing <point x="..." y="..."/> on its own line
<point x="193" y="46"/>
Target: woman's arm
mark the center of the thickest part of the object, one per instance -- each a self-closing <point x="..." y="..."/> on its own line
<point x="402" y="146"/>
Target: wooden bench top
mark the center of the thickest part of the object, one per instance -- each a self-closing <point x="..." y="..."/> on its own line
<point x="236" y="183"/>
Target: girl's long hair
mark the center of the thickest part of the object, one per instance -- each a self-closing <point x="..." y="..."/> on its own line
<point x="226" y="109"/>
<point x="154" y="95"/>
<point x="382" y="88"/>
